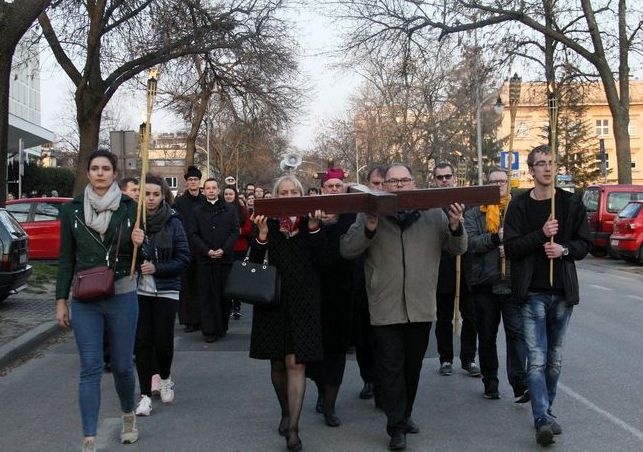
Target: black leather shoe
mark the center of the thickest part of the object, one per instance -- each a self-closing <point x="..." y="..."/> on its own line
<point x="209" y="338"/>
<point x="190" y="328"/>
<point x="319" y="406"/>
<point x="366" y="392"/>
<point x="332" y="420"/>
<point x="398" y="441"/>
<point x="411" y="426"/>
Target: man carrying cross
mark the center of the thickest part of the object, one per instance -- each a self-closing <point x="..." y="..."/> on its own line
<point x="402" y="257"/>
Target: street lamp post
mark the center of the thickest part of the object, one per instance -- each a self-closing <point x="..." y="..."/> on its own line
<point x="514" y="98"/>
<point x="207" y="145"/>
<point x="497" y="108"/>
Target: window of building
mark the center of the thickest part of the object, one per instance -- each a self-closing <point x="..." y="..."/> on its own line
<point x="602" y="127"/>
<point x="172" y="182"/>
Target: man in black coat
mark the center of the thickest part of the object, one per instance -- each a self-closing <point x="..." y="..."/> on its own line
<point x="213" y="229"/>
<point x="189" y="305"/>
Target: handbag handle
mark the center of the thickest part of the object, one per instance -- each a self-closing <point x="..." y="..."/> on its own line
<point x="247" y="258"/>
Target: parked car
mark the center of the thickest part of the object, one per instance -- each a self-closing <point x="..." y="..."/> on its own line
<point x="627" y="238"/>
<point x="14" y="245"/>
<point x="603" y="202"/>
<point x="39" y="217"/>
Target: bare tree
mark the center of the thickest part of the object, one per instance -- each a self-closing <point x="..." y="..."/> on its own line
<point x="256" y="79"/>
<point x="602" y="35"/>
<point x="15" y="19"/>
<point x="102" y="44"/>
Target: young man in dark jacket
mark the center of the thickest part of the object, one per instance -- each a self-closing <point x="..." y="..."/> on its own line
<point x="212" y="230"/>
<point x="189" y="306"/>
<point x="546" y="307"/>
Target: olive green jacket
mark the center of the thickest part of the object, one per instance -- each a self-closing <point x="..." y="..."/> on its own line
<point x="82" y="248"/>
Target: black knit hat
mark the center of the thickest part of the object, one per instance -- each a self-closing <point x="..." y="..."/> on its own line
<point x="193" y="171"/>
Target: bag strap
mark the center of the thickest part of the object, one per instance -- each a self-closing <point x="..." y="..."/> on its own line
<point x="107" y="250"/>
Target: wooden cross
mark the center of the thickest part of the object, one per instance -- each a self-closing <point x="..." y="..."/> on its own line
<point x="363" y="199"/>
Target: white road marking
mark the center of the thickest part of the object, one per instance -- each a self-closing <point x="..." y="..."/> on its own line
<point x="636" y="297"/>
<point x="601" y="287"/>
<point x="610" y="417"/>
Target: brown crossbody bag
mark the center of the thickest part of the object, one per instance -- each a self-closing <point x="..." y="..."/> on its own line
<point x="96" y="283"/>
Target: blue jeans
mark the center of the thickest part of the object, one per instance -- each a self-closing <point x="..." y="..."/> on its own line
<point x="490" y="308"/>
<point x="118" y="316"/>
<point x="545" y="318"/>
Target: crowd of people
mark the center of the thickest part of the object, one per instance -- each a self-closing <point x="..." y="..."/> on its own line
<point x="375" y="283"/>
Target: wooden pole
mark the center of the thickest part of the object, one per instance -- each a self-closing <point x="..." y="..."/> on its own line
<point x="553" y="123"/>
<point x="457" y="326"/>
<point x="145" y="144"/>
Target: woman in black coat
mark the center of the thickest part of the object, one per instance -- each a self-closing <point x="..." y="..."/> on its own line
<point x="289" y="335"/>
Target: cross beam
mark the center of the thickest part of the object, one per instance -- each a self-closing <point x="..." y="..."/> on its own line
<point x="363" y="199"/>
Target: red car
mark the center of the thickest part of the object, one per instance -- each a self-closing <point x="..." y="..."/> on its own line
<point x="39" y="218"/>
<point x="627" y="238"/>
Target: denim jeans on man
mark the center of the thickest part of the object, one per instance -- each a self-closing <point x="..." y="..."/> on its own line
<point x="545" y="318"/>
<point x="489" y="309"/>
<point x="118" y="316"/>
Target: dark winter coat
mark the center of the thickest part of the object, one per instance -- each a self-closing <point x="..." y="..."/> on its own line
<point x="337" y="276"/>
<point x="169" y="267"/>
<point x="295" y="325"/>
<point x="521" y="243"/>
<point x="213" y="226"/>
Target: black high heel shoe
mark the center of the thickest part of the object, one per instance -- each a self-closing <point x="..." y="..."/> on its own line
<point x="294" y="445"/>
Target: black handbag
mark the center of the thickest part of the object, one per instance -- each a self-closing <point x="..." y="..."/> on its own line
<point x="255" y="284"/>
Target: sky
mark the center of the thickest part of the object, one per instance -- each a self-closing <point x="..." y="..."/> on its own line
<point x="329" y="92"/>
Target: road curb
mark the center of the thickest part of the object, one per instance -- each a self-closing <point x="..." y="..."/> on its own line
<point x="27" y="342"/>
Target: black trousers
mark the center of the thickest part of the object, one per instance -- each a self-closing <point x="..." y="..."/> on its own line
<point x="490" y="308"/>
<point x="215" y="309"/>
<point x="190" y="306"/>
<point x="154" y="339"/>
<point x="444" y="328"/>
<point x="364" y="342"/>
<point x="400" y="351"/>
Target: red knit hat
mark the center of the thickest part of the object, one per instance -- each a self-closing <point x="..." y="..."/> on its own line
<point x="333" y="173"/>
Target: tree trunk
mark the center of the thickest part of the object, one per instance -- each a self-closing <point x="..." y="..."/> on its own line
<point x="89" y="130"/>
<point x="6" y="55"/>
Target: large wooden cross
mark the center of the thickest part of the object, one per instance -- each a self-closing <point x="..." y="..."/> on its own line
<point x="363" y="199"/>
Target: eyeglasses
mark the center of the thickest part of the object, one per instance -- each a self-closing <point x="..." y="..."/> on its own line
<point x="337" y="186"/>
<point x="498" y="181"/>
<point x="444" y="176"/>
<point x="193" y="179"/>
<point x="543" y="163"/>
<point x="403" y="181"/>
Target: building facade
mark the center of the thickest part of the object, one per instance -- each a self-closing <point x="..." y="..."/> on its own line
<point x="532" y="121"/>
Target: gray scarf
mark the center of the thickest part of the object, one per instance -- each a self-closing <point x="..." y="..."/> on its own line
<point x="99" y="209"/>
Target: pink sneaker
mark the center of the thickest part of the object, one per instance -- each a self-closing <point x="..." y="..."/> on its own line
<point x="156" y="385"/>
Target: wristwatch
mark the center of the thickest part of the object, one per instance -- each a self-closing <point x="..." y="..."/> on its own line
<point x="565" y="251"/>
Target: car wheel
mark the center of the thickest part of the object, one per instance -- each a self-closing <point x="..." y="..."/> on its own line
<point x="641" y="255"/>
<point x="3" y="297"/>
<point x="598" y="252"/>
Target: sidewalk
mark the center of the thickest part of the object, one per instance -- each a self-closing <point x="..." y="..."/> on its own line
<point x="27" y="319"/>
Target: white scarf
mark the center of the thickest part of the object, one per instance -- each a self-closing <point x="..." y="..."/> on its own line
<point x="99" y="209"/>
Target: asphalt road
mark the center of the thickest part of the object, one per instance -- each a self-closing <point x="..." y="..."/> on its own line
<point x="224" y="400"/>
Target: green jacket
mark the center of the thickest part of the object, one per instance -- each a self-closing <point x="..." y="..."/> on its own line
<point x="81" y="249"/>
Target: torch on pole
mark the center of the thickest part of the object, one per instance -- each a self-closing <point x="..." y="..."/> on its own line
<point x="146" y="129"/>
<point x="553" y="122"/>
